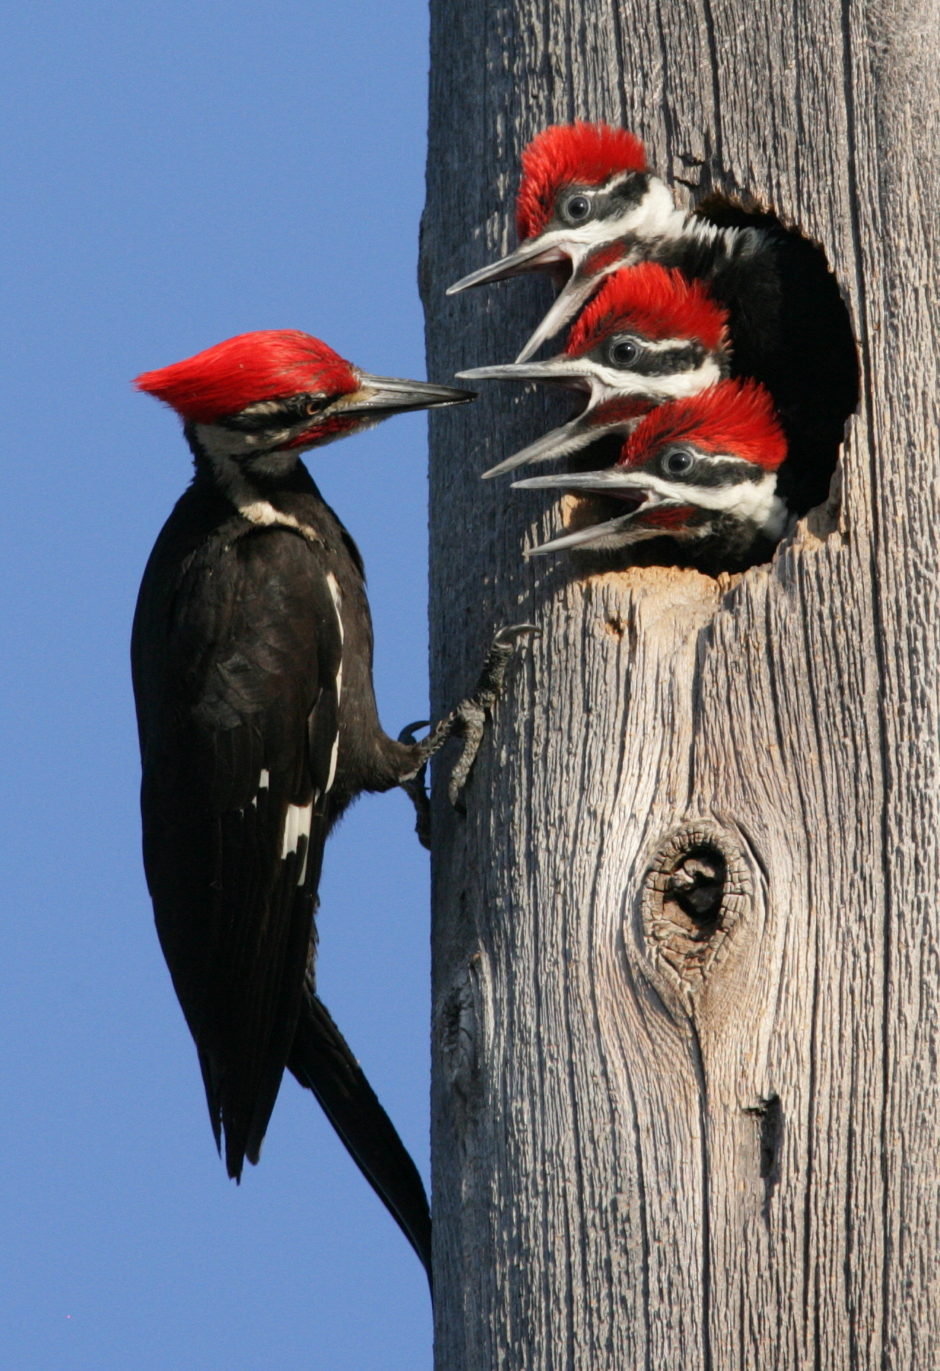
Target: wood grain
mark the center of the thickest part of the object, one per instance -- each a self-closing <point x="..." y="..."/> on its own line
<point x="651" y="1150"/>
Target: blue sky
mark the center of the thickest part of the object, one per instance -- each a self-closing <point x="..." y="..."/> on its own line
<point x="179" y="174"/>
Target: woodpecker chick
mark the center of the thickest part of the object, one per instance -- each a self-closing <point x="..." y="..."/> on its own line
<point x="252" y="665"/>
<point x="701" y="470"/>
<point x="588" y="205"/>
<point x="649" y="335"/>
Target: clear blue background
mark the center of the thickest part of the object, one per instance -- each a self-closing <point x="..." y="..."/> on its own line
<point x="175" y="175"/>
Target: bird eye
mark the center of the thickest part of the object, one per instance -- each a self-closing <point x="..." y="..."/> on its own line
<point x="623" y="352"/>
<point x="678" y="461"/>
<point x="314" y="404"/>
<point x="576" y="208"/>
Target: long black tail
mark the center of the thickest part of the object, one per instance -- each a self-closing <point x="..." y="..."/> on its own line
<point x="322" y="1062"/>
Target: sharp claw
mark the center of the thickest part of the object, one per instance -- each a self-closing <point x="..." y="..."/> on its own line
<point x="468" y="721"/>
<point x="414" y="788"/>
<point x="513" y="631"/>
<point x="407" y="735"/>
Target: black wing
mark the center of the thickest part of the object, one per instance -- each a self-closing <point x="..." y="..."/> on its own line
<point x="237" y="653"/>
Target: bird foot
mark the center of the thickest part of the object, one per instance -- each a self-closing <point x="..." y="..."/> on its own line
<point x="467" y="720"/>
<point x="414" y="785"/>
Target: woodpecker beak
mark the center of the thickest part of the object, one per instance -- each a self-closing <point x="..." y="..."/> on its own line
<point x="634" y="488"/>
<point x="603" y="413"/>
<point x="576" y="292"/>
<point x="379" y="397"/>
<point x="562" y="370"/>
<point x="529" y="256"/>
<point x="560" y="442"/>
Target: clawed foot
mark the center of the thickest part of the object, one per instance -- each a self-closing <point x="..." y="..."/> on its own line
<point x="467" y="721"/>
<point x="414" y="786"/>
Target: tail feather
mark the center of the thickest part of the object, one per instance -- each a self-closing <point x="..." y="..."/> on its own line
<point x="322" y="1061"/>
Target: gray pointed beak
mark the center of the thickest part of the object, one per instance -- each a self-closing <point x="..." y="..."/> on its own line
<point x="610" y="482"/>
<point x="573" y="294"/>
<point x="561" y="370"/>
<point x="560" y="442"/>
<point x="530" y="256"/>
<point x="387" y="395"/>
<point x="594" y="536"/>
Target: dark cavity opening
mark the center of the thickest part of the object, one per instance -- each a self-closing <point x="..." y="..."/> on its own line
<point x="695" y="890"/>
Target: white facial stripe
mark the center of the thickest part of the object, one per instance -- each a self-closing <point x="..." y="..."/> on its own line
<point x="607" y="383"/>
<point x="656" y="216"/>
<point x="753" y="501"/>
<point x="262" y="407"/>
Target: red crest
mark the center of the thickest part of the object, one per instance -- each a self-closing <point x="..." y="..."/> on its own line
<point x="736" y="417"/>
<point x="225" y="379"/>
<point x="570" y="154"/>
<point x="654" y="302"/>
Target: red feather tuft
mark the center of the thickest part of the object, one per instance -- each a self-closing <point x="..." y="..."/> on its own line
<point x="225" y="379"/>
<point x="734" y="417"/>
<point x="570" y="154"/>
<point x="654" y="302"/>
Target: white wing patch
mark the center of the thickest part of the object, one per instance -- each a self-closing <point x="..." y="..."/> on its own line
<point x="337" y="599"/>
<point x="297" y="826"/>
<point x="264" y="783"/>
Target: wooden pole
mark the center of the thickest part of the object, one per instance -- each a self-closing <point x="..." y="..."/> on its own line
<point x="665" y="1141"/>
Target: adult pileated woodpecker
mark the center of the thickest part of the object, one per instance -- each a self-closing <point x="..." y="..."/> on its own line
<point x="587" y="205"/>
<point x="648" y="335"/>
<point x="701" y="471"/>
<point x="252" y="664"/>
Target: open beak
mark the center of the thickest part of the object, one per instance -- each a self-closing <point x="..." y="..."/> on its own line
<point x="576" y="292"/>
<point x="560" y="442"/>
<point x="529" y="256"/>
<point x="562" y="370"/>
<point x="602" y="414"/>
<point x="382" y="396"/>
<point x="631" y="487"/>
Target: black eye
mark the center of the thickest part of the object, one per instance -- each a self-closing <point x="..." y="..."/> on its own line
<point x="677" y="461"/>
<point x="576" y="209"/>
<point x="623" y="352"/>
<point x="313" y="404"/>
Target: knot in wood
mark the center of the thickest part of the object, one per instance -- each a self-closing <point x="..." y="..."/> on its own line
<point x="696" y="888"/>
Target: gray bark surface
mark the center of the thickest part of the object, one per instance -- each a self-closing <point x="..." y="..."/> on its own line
<point x="652" y="1146"/>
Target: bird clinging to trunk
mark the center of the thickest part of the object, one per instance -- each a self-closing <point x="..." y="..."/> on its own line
<point x="252" y="666"/>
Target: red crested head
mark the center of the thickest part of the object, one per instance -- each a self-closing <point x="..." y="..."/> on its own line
<point x="244" y="370"/>
<point x="732" y="417"/>
<point x="570" y="154"/>
<point x="654" y="302"/>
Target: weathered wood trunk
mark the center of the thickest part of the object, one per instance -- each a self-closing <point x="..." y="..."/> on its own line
<point x="661" y="1144"/>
